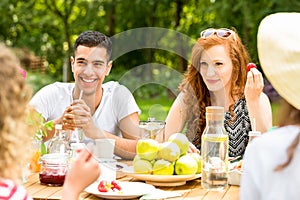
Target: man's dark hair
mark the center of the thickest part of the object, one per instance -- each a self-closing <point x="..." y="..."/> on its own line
<point x="94" y="39"/>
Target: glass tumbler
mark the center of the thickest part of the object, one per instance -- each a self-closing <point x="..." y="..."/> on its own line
<point x="152" y="129"/>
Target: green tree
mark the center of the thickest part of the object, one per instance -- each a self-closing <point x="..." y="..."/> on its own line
<point x="48" y="27"/>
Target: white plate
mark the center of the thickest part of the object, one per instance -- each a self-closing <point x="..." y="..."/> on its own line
<point x="129" y="190"/>
<point x="162" y="180"/>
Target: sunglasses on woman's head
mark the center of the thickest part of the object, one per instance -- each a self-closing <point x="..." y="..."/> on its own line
<point x="221" y="33"/>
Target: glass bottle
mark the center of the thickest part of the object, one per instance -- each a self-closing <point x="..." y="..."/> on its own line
<point x="58" y="143"/>
<point x="214" y="150"/>
<point x="74" y="148"/>
<point x="75" y="135"/>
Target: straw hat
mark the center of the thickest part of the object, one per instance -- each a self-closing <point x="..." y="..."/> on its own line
<point x="278" y="43"/>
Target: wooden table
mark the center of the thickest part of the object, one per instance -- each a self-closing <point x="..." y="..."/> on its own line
<point x="191" y="190"/>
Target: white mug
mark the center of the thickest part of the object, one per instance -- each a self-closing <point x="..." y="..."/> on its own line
<point x="104" y="148"/>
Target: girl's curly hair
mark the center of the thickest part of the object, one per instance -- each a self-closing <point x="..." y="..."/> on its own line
<point x="14" y="134"/>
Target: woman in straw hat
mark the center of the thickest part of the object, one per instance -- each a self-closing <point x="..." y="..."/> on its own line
<point x="15" y="137"/>
<point x="272" y="162"/>
<point x="218" y="76"/>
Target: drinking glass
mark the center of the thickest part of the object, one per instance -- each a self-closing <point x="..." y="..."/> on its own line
<point x="34" y="164"/>
<point x="152" y="129"/>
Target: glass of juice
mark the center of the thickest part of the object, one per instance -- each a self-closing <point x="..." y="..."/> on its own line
<point x="34" y="164"/>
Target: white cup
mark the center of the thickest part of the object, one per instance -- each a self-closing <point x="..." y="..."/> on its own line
<point x="104" y="148"/>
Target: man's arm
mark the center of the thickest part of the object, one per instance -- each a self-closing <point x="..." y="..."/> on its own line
<point x="124" y="147"/>
<point x="78" y="116"/>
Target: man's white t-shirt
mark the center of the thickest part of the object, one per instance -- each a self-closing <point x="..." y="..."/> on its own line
<point x="117" y="103"/>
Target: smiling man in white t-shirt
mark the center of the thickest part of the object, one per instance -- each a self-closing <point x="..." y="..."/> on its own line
<point x="101" y="110"/>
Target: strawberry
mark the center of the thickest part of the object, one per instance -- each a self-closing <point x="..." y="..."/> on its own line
<point x="250" y="65"/>
<point x="105" y="186"/>
<point x="102" y="187"/>
<point x="115" y="185"/>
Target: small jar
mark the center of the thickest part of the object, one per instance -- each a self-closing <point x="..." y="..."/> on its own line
<point x="53" y="169"/>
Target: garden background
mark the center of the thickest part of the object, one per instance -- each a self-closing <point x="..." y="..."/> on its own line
<point x="42" y="33"/>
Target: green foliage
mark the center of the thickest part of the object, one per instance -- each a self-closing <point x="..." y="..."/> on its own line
<point x="37" y="80"/>
<point x="150" y="81"/>
<point x="48" y="28"/>
<point x="37" y="122"/>
<point x="151" y="91"/>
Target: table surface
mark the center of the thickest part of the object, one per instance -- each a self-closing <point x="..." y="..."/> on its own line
<point x="191" y="190"/>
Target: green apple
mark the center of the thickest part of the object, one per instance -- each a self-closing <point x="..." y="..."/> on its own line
<point x="163" y="167"/>
<point x="168" y="151"/>
<point x="181" y="140"/>
<point x="142" y="166"/>
<point x="147" y="149"/>
<point x="136" y="158"/>
<point x="197" y="157"/>
<point x="186" y="165"/>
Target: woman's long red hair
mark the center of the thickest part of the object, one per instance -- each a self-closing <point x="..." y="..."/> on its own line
<point x="196" y="93"/>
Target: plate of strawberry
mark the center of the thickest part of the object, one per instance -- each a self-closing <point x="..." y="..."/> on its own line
<point x="119" y="189"/>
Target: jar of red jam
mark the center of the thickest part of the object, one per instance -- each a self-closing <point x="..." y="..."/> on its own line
<point x="54" y="167"/>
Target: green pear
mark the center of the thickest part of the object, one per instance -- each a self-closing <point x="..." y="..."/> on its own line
<point x="163" y="167"/>
<point x="186" y="165"/>
<point x="181" y="140"/>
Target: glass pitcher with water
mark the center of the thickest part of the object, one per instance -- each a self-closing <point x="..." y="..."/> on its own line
<point x="214" y="150"/>
<point x="152" y="129"/>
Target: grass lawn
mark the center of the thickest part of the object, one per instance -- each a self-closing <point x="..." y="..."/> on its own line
<point x="156" y="107"/>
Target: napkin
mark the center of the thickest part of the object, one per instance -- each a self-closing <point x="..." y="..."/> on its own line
<point x="160" y="194"/>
